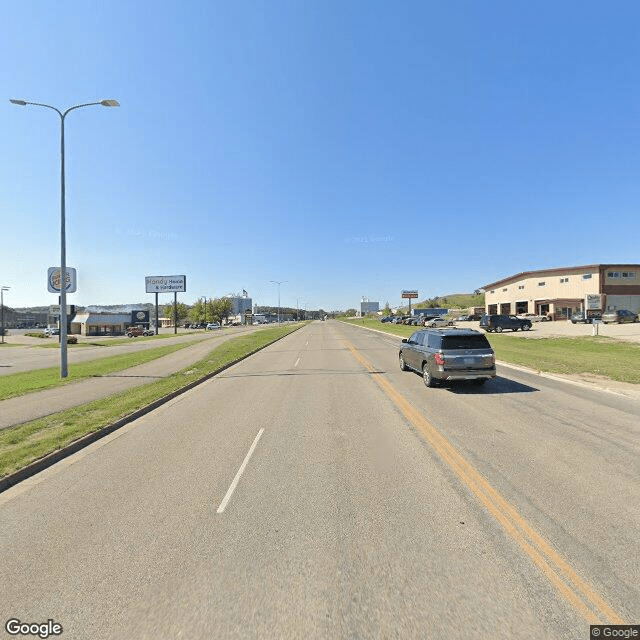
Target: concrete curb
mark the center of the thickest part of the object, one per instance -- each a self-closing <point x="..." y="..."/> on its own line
<point x="42" y="463"/>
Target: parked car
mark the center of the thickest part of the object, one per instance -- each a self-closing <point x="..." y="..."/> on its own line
<point x="438" y="322"/>
<point x="533" y="317"/>
<point x="52" y="331"/>
<point x="462" y="318"/>
<point x="587" y="319"/>
<point x="448" y="354"/>
<point x="500" y="322"/>
<point x="212" y="326"/>
<point x="619" y="316"/>
<point x="133" y="332"/>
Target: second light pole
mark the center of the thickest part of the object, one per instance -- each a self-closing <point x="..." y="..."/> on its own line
<point x="278" y="283"/>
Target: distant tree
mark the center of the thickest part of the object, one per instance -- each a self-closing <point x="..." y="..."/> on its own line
<point x="183" y="311"/>
<point x="220" y="309"/>
<point x="351" y="312"/>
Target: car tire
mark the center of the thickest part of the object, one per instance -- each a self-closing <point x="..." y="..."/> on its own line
<point x="498" y="329"/>
<point x="526" y="327"/>
<point x="516" y="328"/>
<point x="403" y="364"/>
<point x="427" y="378"/>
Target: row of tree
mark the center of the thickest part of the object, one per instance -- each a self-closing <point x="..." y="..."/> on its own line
<point x="212" y="310"/>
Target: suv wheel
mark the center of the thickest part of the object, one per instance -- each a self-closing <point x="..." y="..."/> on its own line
<point x="427" y="377"/>
<point x="526" y="327"/>
<point x="403" y="366"/>
<point x="498" y="329"/>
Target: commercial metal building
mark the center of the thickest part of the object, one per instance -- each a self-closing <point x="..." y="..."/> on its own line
<point x="561" y="292"/>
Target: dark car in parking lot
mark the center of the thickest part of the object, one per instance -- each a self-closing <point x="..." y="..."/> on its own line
<point x="448" y="354"/>
<point x="619" y="316"/>
<point x="500" y="322"/>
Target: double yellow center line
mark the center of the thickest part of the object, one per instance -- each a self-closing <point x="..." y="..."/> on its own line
<point x="575" y="590"/>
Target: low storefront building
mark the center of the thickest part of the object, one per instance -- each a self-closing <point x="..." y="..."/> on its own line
<point x="560" y="292"/>
<point x="100" y="324"/>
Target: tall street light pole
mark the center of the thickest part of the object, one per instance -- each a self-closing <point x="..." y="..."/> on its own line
<point x="278" y="283"/>
<point x="63" y="248"/>
<point x="2" y="290"/>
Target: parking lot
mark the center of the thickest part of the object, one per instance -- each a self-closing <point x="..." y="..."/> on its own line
<point x="565" y="329"/>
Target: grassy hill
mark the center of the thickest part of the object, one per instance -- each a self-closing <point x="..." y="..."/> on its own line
<point x="453" y="301"/>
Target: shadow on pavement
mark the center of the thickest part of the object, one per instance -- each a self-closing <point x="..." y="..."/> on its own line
<point x="497" y="385"/>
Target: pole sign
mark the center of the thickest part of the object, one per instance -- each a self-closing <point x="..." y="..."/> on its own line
<point x="413" y="293"/>
<point x="54" y="280"/>
<point x="165" y="284"/>
<point x="593" y="302"/>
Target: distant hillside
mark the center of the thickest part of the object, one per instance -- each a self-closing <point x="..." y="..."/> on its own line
<point x="453" y="301"/>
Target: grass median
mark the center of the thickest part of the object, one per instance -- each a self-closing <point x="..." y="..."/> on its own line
<point x="594" y="355"/>
<point x="18" y="384"/>
<point x="22" y="444"/>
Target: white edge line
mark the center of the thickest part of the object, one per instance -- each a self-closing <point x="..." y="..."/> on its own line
<point x="234" y="484"/>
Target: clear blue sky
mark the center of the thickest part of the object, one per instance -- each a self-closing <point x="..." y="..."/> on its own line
<point x="351" y="148"/>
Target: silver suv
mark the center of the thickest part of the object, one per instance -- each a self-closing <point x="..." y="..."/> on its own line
<point x="449" y="354"/>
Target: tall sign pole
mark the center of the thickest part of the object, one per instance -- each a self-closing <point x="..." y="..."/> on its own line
<point x="413" y="293"/>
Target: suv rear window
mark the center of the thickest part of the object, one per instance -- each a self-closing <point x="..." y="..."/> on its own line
<point x="465" y="342"/>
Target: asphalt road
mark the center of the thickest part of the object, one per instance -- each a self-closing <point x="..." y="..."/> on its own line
<point x="369" y="507"/>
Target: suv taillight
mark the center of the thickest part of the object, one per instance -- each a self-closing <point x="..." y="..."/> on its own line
<point x="439" y="358"/>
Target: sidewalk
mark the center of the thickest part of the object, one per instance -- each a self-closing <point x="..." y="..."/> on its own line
<point x="42" y="403"/>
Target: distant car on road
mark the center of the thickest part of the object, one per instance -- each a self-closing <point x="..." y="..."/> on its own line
<point x="212" y="326"/>
<point x="52" y="331"/>
<point x="619" y="316"/>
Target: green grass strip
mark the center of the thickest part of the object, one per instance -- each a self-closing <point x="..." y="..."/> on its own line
<point x="110" y="342"/>
<point x="615" y="359"/>
<point x="18" y="384"/>
<point x="22" y="444"/>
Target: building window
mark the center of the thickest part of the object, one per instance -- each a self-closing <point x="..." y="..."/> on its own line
<point x="492" y="291"/>
<point x="586" y="276"/>
<point x="564" y="280"/>
<point x="505" y="289"/>
<point x="629" y="274"/>
<point x="541" y="284"/>
<point x="613" y="274"/>
<point x="521" y="286"/>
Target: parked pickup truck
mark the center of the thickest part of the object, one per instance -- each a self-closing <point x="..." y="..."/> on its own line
<point x="532" y="317"/>
<point x="587" y="318"/>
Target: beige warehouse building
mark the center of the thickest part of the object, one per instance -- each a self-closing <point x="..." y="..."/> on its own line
<point x="561" y="292"/>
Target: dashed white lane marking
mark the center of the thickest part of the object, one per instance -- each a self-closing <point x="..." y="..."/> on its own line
<point x="234" y="484"/>
<point x="297" y="362"/>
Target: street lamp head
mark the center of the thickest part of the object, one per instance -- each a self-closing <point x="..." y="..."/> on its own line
<point x="109" y="103"/>
<point x="22" y="103"/>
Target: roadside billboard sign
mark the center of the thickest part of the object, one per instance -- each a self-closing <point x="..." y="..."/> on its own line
<point x="165" y="284"/>
<point x="412" y="293"/>
<point x="54" y="280"/>
<point x="593" y="302"/>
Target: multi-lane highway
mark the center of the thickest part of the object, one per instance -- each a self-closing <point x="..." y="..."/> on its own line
<point x="315" y="491"/>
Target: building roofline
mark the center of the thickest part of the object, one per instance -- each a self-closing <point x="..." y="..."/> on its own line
<point x="558" y="270"/>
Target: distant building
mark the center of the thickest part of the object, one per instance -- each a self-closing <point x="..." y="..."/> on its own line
<point x="107" y="324"/>
<point x="561" y="292"/>
<point x="369" y="307"/>
<point x="240" y="304"/>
